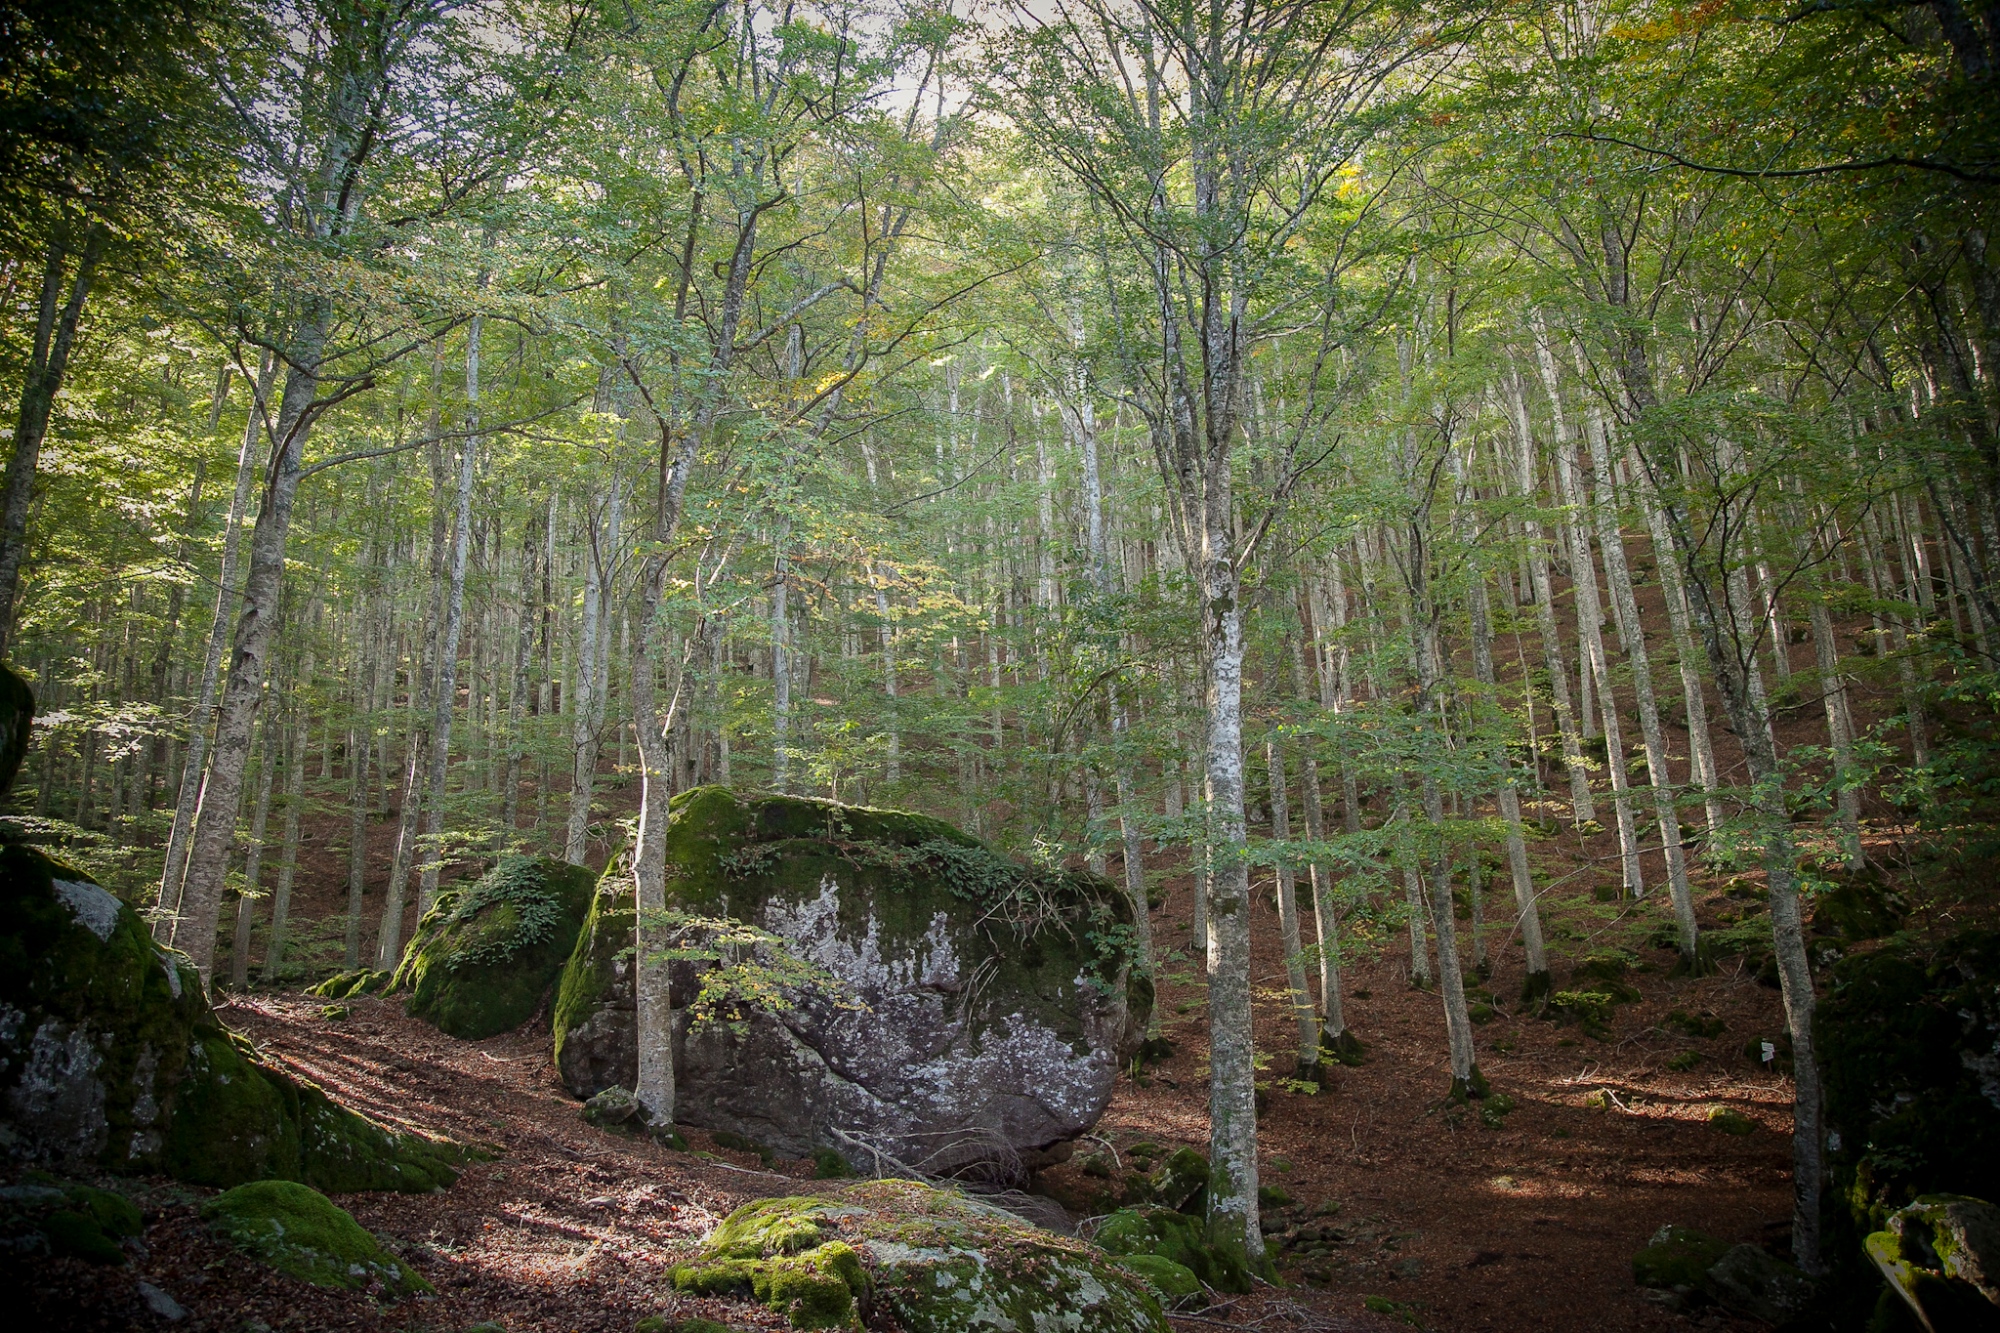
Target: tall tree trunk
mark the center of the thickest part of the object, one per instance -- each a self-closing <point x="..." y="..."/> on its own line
<point x="195" y="757"/>
<point x="1632" y="634"/>
<point x="48" y="365"/>
<point x="1288" y="917"/>
<point x="256" y="626"/>
<point x="253" y="855"/>
<point x="1538" y="568"/>
<point x="288" y="856"/>
<point x="445" y="695"/>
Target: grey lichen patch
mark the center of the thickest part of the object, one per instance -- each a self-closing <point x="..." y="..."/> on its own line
<point x="981" y="1012"/>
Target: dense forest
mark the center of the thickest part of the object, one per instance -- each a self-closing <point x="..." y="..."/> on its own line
<point x="1500" y="491"/>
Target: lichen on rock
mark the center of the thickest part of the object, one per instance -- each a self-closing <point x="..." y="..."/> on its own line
<point x="485" y="955"/>
<point x="984" y="1008"/>
<point x="932" y="1260"/>
<point x="300" y="1231"/>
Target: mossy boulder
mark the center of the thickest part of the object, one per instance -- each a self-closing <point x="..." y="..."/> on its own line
<point x="932" y="1260"/>
<point x="110" y="1057"/>
<point x="1175" y="1284"/>
<point x="68" y="1217"/>
<point x="1180" y="1238"/>
<point x="1941" y="1256"/>
<point x="979" y="1010"/>
<point x="300" y="1231"/>
<point x="1677" y="1257"/>
<point x="485" y="954"/>
<point x="1910" y="1044"/>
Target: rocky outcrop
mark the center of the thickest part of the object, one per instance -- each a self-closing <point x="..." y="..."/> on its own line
<point x="485" y="954"/>
<point x="1941" y="1257"/>
<point x="111" y="1059"/>
<point x="978" y="1010"/>
<point x="1910" y="1047"/>
<point x="932" y="1260"/>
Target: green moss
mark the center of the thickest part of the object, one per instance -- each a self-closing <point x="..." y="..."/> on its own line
<point x="1176" y="1284"/>
<point x="79" y="1236"/>
<point x="300" y="1231"/>
<point x="1731" y="1121"/>
<point x="1179" y="1237"/>
<point x="830" y="1165"/>
<point x="484" y="956"/>
<point x="1677" y="1257"/>
<point x="933" y="1261"/>
<point x="1182" y="1181"/>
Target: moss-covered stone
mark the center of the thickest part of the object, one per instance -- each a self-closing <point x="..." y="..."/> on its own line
<point x="79" y="1236"/>
<point x="984" y="1008"/>
<point x="485" y="955"/>
<point x="110" y="1057"/>
<point x="1179" y="1237"/>
<point x="932" y="1260"/>
<point x="1181" y="1182"/>
<point x="1941" y="1256"/>
<point x="1677" y="1257"/>
<point x="346" y="985"/>
<point x="1907" y="1041"/>
<point x="1175" y="1284"/>
<point x="300" y="1231"/>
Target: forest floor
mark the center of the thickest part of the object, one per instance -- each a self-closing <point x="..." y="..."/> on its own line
<point x="1447" y="1222"/>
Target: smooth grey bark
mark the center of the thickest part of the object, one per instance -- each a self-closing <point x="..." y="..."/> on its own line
<point x="781" y="663"/>
<point x="1536" y="983"/>
<point x="288" y="855"/>
<point x="1632" y="634"/>
<point x="1581" y="808"/>
<point x="1288" y="916"/>
<point x="195" y="757"/>
<point x="48" y="366"/>
<point x="423" y="686"/>
<point x="1720" y="607"/>
<point x="517" y="698"/>
<point x="445" y="694"/>
<point x="1701" y="744"/>
<point x="1326" y="919"/>
<point x="253" y="856"/>
<point x="593" y="670"/>
<point x="1590" y="620"/>
<point x="363" y="48"/>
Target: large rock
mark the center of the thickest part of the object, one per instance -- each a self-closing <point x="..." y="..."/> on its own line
<point x="485" y="955"/>
<point x="987" y="1007"/>
<point x="932" y="1260"/>
<point x="111" y="1058"/>
<point x="1910" y="1049"/>
<point x="1941" y="1256"/>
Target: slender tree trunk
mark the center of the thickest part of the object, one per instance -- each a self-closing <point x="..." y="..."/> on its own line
<point x="1288" y="917"/>
<point x="253" y="856"/>
<point x="1581" y="807"/>
<point x="48" y="366"/>
<point x="445" y="695"/>
<point x="256" y="626"/>
<point x="1535" y="985"/>
<point x="1632" y="634"/>
<point x="195" y="758"/>
<point x="517" y="699"/>
<point x="781" y="666"/>
<point x="288" y="857"/>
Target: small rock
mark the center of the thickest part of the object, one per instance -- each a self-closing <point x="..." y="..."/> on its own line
<point x="1731" y="1121"/>
<point x="1749" y="1281"/>
<point x="161" y="1304"/>
<point x="611" y="1108"/>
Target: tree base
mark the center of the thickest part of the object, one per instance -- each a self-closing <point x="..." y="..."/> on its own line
<point x="1473" y="1087"/>
<point x="1536" y="989"/>
<point x="1154" y="1050"/>
<point x="1343" y="1048"/>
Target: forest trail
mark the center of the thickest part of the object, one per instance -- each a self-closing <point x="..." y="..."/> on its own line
<point x="1456" y="1225"/>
